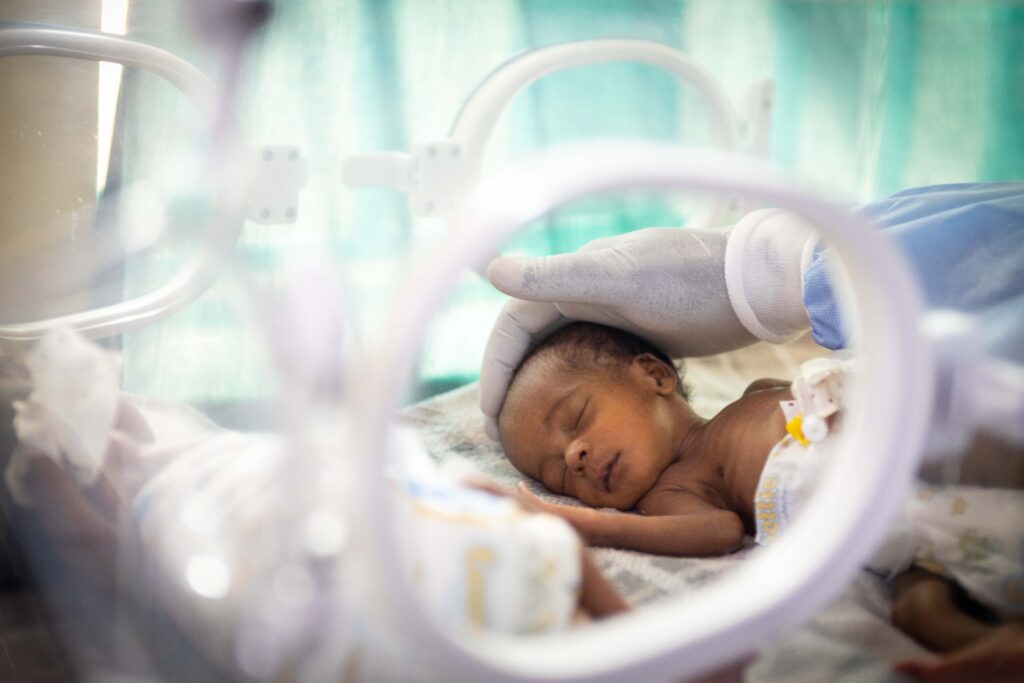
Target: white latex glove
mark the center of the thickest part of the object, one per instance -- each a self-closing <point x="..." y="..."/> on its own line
<point x="667" y="285"/>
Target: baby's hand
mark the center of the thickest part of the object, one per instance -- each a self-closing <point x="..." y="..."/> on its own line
<point x="522" y="494"/>
<point x="996" y="658"/>
<point x="530" y="501"/>
<point x="576" y="515"/>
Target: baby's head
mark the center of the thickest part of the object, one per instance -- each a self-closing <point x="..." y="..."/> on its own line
<point x="595" y="413"/>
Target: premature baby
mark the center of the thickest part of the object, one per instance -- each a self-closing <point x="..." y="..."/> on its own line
<point x="602" y="416"/>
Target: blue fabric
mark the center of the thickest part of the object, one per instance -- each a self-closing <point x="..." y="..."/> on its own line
<point x="966" y="243"/>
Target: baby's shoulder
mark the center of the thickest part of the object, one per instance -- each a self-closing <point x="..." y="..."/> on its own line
<point x="677" y="491"/>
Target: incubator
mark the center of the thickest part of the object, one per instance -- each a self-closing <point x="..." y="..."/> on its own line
<point x="342" y="541"/>
<point x="437" y="174"/>
<point x="278" y="172"/>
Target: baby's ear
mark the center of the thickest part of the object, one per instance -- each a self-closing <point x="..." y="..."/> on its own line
<point x="655" y="373"/>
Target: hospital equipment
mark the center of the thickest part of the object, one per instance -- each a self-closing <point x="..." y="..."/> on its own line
<point x="886" y="437"/>
<point x="871" y="477"/>
<point x="269" y="194"/>
<point x="437" y="174"/>
<point x="674" y="639"/>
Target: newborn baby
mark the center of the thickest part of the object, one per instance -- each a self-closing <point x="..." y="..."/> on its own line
<point x="600" y="415"/>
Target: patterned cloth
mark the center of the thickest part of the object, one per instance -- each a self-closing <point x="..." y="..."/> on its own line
<point x="972" y="535"/>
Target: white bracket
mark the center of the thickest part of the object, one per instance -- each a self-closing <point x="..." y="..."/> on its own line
<point x="435" y="175"/>
<point x="438" y="174"/>
<point x="440" y="177"/>
<point x="278" y="173"/>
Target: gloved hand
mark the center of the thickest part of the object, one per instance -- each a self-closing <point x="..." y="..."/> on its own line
<point x="667" y="285"/>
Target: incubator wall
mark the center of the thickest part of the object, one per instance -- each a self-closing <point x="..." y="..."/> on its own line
<point x="105" y="199"/>
<point x="869" y="99"/>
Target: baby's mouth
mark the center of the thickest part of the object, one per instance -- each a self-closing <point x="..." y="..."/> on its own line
<point x="606" y="478"/>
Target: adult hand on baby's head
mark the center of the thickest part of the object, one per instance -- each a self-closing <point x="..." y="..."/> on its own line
<point x="666" y="285"/>
<point x="520" y="324"/>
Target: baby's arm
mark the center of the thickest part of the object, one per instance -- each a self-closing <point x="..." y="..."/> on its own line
<point x="767" y="383"/>
<point x="597" y="594"/>
<point x="683" y="525"/>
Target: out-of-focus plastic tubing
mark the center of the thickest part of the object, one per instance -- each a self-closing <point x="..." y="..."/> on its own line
<point x="224" y="229"/>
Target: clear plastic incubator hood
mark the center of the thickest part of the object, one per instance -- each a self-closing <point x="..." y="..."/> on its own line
<point x="778" y="587"/>
<point x="321" y="571"/>
<point x="258" y="186"/>
<point x="438" y="174"/>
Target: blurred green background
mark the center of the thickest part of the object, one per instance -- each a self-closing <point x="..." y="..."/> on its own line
<point x="870" y="98"/>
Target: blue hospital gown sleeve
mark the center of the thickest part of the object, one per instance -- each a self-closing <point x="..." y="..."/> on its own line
<point x="966" y="244"/>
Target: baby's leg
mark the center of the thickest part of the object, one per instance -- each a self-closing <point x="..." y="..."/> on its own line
<point x="996" y="658"/>
<point x="989" y="463"/>
<point x="927" y="608"/>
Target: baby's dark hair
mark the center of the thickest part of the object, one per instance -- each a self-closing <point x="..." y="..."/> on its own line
<point x="582" y="345"/>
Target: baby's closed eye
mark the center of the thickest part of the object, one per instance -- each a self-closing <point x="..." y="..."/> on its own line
<point x="579" y="417"/>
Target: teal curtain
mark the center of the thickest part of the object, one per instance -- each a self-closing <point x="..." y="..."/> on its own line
<point x="870" y="98"/>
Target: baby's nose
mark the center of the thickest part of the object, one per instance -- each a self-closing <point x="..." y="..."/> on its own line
<point x="576" y="455"/>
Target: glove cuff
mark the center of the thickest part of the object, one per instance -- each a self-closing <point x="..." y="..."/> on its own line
<point x="766" y="257"/>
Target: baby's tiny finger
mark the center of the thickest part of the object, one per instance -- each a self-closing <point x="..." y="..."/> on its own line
<point x="485" y="485"/>
<point x="913" y="669"/>
<point x="527" y="498"/>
